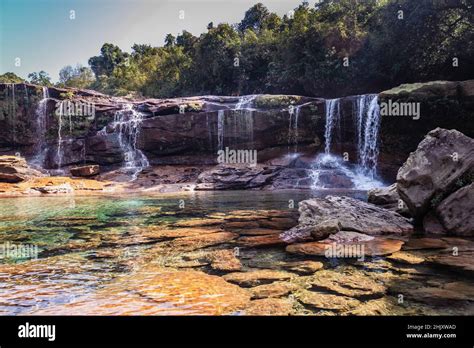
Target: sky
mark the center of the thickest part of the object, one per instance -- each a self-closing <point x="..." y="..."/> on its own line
<point x="45" y="35"/>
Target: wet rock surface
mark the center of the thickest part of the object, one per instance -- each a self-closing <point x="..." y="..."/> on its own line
<point x="191" y="262"/>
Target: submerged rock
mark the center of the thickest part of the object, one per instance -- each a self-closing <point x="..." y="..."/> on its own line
<point x="224" y="260"/>
<point x="347" y="245"/>
<point x="324" y="301"/>
<point x="269" y="306"/>
<point x="463" y="262"/>
<point x="253" y="278"/>
<point x="350" y="283"/>
<point x="273" y="290"/>
<point x="158" y="291"/>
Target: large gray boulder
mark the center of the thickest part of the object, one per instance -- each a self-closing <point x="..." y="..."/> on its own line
<point x="457" y="212"/>
<point x="441" y="161"/>
<point x="345" y="214"/>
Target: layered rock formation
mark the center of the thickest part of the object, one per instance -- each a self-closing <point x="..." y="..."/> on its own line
<point x="189" y="131"/>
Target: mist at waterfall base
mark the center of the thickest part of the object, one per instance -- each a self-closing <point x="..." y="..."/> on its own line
<point x="366" y="117"/>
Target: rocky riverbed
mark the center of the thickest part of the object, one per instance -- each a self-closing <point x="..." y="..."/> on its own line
<point x="130" y="213"/>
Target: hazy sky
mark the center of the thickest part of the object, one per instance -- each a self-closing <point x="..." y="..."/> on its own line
<point x="42" y="35"/>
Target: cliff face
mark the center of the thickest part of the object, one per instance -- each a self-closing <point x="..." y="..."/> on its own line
<point x="190" y="130"/>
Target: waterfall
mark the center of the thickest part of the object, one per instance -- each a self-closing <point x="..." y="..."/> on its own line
<point x="220" y="129"/>
<point x="367" y="124"/>
<point x="366" y="114"/>
<point x="333" y="115"/>
<point x="243" y="121"/>
<point x="41" y="111"/>
<point x="245" y="102"/>
<point x="59" y="152"/>
<point x="293" y="128"/>
<point x="127" y="124"/>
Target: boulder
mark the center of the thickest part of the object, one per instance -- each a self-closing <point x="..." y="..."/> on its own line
<point x="351" y="215"/>
<point x="85" y="171"/>
<point x="15" y="169"/>
<point x="441" y="161"/>
<point x="457" y="212"/>
<point x="388" y="198"/>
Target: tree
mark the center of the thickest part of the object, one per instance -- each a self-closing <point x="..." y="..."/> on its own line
<point x="10" y="77"/>
<point x="40" y="78"/>
<point x="170" y="40"/>
<point x="254" y="18"/>
<point x="110" y="57"/>
<point x="78" y="76"/>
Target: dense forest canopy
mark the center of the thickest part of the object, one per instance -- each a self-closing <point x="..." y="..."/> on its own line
<point x="332" y="48"/>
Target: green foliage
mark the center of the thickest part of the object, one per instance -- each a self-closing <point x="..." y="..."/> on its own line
<point x="78" y="76"/>
<point x="67" y="95"/>
<point x="385" y="42"/>
<point x="40" y="78"/>
<point x="10" y="77"/>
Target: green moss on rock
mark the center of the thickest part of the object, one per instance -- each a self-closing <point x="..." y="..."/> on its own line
<point x="267" y="101"/>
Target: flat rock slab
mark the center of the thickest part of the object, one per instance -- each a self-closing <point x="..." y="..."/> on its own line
<point x="198" y="241"/>
<point x="425" y="243"/>
<point x="323" y="301"/>
<point x="273" y="290"/>
<point x="303" y="267"/>
<point x="353" y="284"/>
<point x="155" y="232"/>
<point x="463" y="262"/>
<point x="254" y="278"/>
<point x="261" y="241"/>
<point x="224" y="260"/>
<point x="159" y="291"/>
<point x="406" y="258"/>
<point x="331" y="247"/>
<point x="270" y="306"/>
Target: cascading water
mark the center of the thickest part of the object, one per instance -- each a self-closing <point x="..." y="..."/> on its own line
<point x="367" y="122"/>
<point x="59" y="152"/>
<point x="41" y="111"/>
<point x="126" y="124"/>
<point x="293" y="128"/>
<point x="333" y="115"/>
<point x="367" y="125"/>
<point x="220" y="129"/>
<point x="243" y="120"/>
